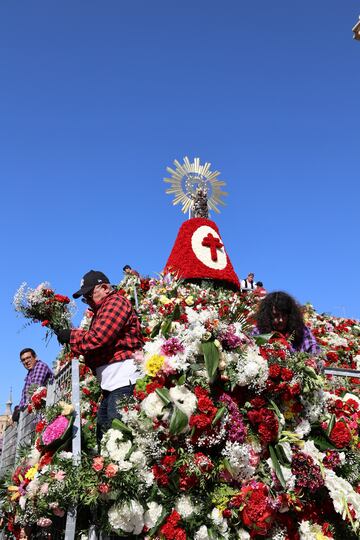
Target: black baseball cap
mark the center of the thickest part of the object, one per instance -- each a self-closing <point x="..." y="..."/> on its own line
<point x="89" y="281"/>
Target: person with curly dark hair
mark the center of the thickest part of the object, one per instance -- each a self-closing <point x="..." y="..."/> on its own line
<point x="279" y="312"/>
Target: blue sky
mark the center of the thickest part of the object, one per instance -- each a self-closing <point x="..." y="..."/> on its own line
<point x="98" y="98"/>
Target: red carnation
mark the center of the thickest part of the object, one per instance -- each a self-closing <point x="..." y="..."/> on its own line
<point x="340" y="435"/>
<point x="40" y="426"/>
<point x="286" y="374"/>
<point x="274" y="371"/>
<point x="257" y="513"/>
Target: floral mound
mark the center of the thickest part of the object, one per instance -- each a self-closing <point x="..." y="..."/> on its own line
<point x="227" y="436"/>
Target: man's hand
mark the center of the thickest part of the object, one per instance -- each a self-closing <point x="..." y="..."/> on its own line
<point x="63" y="336"/>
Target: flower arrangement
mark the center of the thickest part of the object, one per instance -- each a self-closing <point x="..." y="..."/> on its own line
<point x="42" y="304"/>
<point x="228" y="435"/>
<point x="37" y="399"/>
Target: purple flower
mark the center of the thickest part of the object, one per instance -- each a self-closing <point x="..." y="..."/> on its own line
<point x="236" y="427"/>
<point x="171" y="347"/>
<point x="229" y="339"/>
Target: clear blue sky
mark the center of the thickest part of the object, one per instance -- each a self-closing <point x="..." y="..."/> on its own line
<point x="97" y="98"/>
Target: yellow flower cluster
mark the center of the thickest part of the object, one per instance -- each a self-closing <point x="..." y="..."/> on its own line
<point x="31" y="472"/>
<point x="154" y="364"/>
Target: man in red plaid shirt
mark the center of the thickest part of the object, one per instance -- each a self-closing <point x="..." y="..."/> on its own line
<point x="109" y="345"/>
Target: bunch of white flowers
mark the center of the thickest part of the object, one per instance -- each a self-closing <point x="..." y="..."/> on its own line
<point x="114" y="447"/>
<point x="251" y="369"/>
<point x="127" y="517"/>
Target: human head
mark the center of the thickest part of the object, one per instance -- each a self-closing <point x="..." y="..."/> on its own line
<point x="127" y="269"/>
<point x="250" y="277"/>
<point x="279" y="312"/>
<point x="28" y="358"/>
<point x="259" y="284"/>
<point x="94" y="286"/>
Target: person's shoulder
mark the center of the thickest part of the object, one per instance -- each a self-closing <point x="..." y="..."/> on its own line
<point x="40" y="364"/>
<point x="116" y="298"/>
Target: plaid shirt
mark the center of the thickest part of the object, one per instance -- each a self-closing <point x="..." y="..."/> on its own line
<point x="39" y="375"/>
<point x="113" y="336"/>
<point x="308" y="344"/>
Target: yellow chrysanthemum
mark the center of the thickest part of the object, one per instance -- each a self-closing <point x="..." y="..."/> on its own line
<point x="31" y="472"/>
<point x="154" y="364"/>
<point x="320" y="536"/>
<point x="189" y="301"/>
<point x="164" y="299"/>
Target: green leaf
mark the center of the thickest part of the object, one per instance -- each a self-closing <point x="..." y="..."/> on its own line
<point x="219" y="415"/>
<point x="155" y="330"/>
<point x="261" y="339"/>
<point x="178" y="421"/>
<point x="322" y="443"/>
<point x="181" y="380"/>
<point x="163" y="394"/>
<point x="211" y="355"/>
<point x="118" y="424"/>
<point x="166" y="326"/>
<point x="281" y="454"/>
<point x="331" y="425"/>
<point x="276" y="409"/>
<point x="277" y="467"/>
<point x="227" y="465"/>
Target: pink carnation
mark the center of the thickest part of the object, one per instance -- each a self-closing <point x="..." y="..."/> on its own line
<point x="98" y="463"/>
<point x="55" y="429"/>
<point x="111" y="470"/>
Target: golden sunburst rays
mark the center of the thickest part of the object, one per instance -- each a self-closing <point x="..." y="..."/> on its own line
<point x="187" y="177"/>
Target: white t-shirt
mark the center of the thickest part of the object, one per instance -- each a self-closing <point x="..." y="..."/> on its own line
<point x="117" y="375"/>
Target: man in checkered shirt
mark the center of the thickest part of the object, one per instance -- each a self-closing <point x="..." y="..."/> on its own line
<point x="39" y="374"/>
<point x="109" y="345"/>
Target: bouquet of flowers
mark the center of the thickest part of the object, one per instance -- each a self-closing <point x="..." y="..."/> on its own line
<point x="42" y="304"/>
<point x="228" y="435"/>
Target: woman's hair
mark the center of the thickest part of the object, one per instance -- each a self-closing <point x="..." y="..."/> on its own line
<point x="284" y="304"/>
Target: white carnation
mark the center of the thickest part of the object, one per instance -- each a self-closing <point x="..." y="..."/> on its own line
<point x="184" y="506"/>
<point x="152" y="405"/>
<point x="219" y="521"/>
<point x="127" y="517"/>
<point x="202" y="533"/>
<point x="114" y="447"/>
<point x="138" y="459"/>
<point x="239" y="456"/>
<point x="152" y="514"/>
<point x="183" y="399"/>
<point x="251" y="369"/>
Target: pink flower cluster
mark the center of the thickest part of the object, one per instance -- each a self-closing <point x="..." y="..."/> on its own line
<point x="55" y="430"/>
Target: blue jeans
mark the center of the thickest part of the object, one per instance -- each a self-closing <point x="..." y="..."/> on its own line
<point x="109" y="410"/>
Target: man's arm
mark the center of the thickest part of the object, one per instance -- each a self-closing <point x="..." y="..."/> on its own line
<point x="310" y="344"/>
<point x="105" y="328"/>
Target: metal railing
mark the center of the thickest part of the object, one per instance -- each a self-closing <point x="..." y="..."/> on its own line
<point x="66" y="386"/>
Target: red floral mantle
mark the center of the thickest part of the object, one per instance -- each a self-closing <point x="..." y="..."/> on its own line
<point x="199" y="253"/>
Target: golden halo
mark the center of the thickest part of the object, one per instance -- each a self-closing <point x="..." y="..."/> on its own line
<point x="188" y="177"/>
